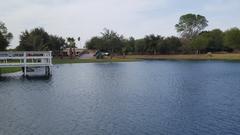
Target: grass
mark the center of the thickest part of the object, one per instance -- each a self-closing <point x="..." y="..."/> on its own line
<point x="228" y="56"/>
<point x="9" y="70"/>
<point x="92" y="60"/>
<point x="70" y="61"/>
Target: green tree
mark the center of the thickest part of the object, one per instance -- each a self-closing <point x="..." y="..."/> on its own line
<point x="5" y="37"/>
<point x="113" y="41"/>
<point x="232" y="38"/>
<point x="71" y="44"/>
<point x="108" y="41"/>
<point x="190" y="25"/>
<point x="35" y="40"/>
<point x="3" y="42"/>
<point x="140" y="46"/>
<point x="152" y="42"/>
<point x="129" y="45"/>
<point x="215" y="38"/>
<point x="199" y="44"/>
<point x="169" y="45"/>
<point x="95" y="43"/>
<point x="56" y="44"/>
<point x="24" y="43"/>
<point x="39" y="40"/>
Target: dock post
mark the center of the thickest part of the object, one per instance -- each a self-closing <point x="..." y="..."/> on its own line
<point x="50" y="54"/>
<point x="25" y="71"/>
<point x="47" y="71"/>
<point x="50" y="63"/>
<point x="25" y="64"/>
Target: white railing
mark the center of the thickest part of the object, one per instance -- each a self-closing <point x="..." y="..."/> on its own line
<point x="26" y="59"/>
<point x="30" y="57"/>
<point x="29" y="54"/>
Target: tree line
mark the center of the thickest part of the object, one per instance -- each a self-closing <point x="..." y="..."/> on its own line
<point x="206" y="41"/>
<point x="192" y="39"/>
<point x="36" y="39"/>
<point x="39" y="40"/>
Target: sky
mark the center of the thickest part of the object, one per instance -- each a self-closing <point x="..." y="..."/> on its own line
<point x="137" y="18"/>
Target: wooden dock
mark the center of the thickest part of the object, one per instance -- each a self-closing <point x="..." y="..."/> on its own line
<point x="27" y="60"/>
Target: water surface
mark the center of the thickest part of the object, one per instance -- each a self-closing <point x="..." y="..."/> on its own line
<point x="137" y="98"/>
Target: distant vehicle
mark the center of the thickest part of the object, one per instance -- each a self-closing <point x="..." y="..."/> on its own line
<point x="106" y="53"/>
<point x="102" y="53"/>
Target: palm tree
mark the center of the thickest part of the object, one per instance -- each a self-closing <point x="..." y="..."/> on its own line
<point x="71" y="44"/>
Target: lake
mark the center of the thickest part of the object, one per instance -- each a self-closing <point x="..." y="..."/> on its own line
<point x="136" y="98"/>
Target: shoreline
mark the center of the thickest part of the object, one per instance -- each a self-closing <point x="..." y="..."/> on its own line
<point x="57" y="61"/>
<point x="134" y="58"/>
<point x="91" y="60"/>
<point x="223" y="57"/>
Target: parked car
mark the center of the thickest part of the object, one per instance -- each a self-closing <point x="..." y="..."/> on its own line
<point x="106" y="53"/>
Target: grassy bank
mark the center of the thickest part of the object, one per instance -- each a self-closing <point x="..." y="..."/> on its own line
<point x="92" y="60"/>
<point x="71" y="61"/>
<point x="9" y="70"/>
<point x="187" y="57"/>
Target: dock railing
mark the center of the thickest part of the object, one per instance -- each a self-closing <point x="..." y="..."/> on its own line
<point x="26" y="59"/>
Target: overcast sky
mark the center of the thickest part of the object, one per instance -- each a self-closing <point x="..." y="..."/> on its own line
<point x="137" y="18"/>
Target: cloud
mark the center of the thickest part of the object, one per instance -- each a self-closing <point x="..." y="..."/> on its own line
<point x="83" y="18"/>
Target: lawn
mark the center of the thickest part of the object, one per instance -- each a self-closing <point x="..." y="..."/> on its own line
<point x="9" y="70"/>
<point x="92" y="60"/>
<point x="228" y="56"/>
<point x="70" y="61"/>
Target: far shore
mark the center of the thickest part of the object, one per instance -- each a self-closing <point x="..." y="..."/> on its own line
<point x="133" y="58"/>
<point x="225" y="56"/>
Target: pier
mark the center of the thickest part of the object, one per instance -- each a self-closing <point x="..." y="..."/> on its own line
<point x="29" y="61"/>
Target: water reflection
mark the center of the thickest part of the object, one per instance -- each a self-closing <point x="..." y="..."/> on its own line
<point x="10" y="77"/>
<point x="36" y="78"/>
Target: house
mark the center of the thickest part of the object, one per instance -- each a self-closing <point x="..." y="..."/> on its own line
<point x="73" y="51"/>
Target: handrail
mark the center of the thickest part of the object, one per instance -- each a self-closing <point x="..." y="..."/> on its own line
<point x="25" y="51"/>
<point x="24" y="57"/>
<point x="28" y="53"/>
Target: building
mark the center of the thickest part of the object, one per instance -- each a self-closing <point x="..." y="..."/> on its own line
<point x="73" y="51"/>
